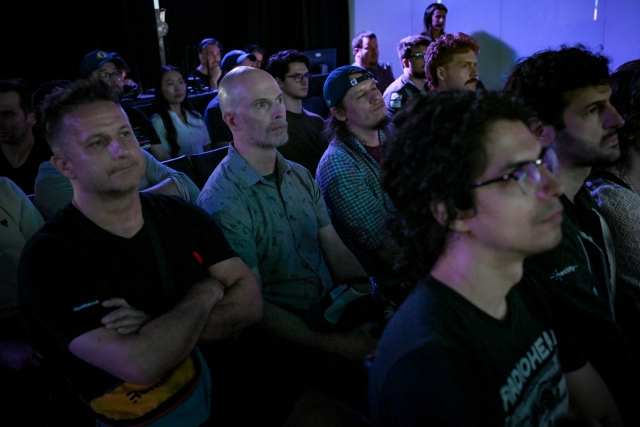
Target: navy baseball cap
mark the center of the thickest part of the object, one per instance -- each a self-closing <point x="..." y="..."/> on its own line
<point x="96" y="59"/>
<point x="338" y="83"/>
<point x="234" y="58"/>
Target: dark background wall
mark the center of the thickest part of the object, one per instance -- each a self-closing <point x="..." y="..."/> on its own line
<point x="47" y="41"/>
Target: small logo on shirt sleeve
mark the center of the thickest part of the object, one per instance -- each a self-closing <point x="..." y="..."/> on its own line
<point x="85" y="305"/>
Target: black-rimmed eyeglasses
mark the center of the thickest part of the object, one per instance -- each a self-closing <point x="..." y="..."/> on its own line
<point x="527" y="175"/>
<point x="417" y="55"/>
<point x="298" y="77"/>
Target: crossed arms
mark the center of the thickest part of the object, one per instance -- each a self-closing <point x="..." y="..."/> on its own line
<point x="216" y="307"/>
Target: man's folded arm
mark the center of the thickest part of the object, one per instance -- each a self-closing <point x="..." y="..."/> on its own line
<point x="141" y="358"/>
<point x="241" y="305"/>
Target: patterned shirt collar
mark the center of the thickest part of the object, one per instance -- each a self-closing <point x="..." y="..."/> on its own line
<point x="243" y="174"/>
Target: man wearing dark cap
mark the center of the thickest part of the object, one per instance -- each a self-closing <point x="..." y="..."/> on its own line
<point x="349" y="170"/>
<point x="101" y="65"/>
<point x="208" y="72"/>
<point x="218" y="130"/>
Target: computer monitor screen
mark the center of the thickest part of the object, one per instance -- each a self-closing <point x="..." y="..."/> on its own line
<point x="321" y="61"/>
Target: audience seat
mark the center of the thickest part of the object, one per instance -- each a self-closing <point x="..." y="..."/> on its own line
<point x="205" y="163"/>
<point x="182" y="164"/>
<point x="314" y="101"/>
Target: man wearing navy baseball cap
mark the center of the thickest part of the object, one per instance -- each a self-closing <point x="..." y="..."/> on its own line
<point x="219" y="132"/>
<point x="349" y="170"/>
<point x="102" y="65"/>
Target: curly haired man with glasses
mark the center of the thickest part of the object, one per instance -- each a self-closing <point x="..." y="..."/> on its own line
<point x="476" y="343"/>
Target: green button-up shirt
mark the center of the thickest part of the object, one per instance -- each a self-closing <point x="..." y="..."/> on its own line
<point x="274" y="226"/>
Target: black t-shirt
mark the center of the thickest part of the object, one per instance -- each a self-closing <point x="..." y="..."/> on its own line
<point x="443" y="361"/>
<point x="306" y="144"/>
<point x="142" y="127"/>
<point x="71" y="265"/>
<point x="218" y="129"/>
<point x="24" y="176"/>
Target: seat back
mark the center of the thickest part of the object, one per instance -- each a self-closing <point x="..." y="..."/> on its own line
<point x="182" y="164"/>
<point x="205" y="163"/>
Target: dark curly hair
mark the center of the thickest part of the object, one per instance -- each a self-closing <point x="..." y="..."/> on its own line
<point x="162" y="108"/>
<point x="441" y="51"/>
<point x="543" y="79"/>
<point x="278" y="65"/>
<point x="435" y="154"/>
<point x="65" y="100"/>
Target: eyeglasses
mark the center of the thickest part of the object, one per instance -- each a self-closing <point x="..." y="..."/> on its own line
<point x="528" y="174"/>
<point x="417" y="55"/>
<point x="298" y="77"/>
<point x="105" y="76"/>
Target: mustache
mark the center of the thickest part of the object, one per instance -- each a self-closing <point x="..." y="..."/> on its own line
<point x="473" y="80"/>
<point x="125" y="164"/>
<point x="604" y="139"/>
<point x="275" y="125"/>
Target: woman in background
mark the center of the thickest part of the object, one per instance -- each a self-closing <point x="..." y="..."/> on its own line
<point x="435" y="18"/>
<point x="180" y="127"/>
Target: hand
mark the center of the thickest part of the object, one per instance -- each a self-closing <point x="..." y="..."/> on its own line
<point x="358" y="343"/>
<point x="216" y="72"/>
<point x="210" y="287"/>
<point x="125" y="319"/>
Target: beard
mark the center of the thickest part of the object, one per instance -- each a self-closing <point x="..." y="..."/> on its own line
<point x="383" y="123"/>
<point x="581" y="152"/>
<point x="271" y="140"/>
<point x="419" y="74"/>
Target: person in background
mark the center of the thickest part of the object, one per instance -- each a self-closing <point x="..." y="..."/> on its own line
<point x="306" y="143"/>
<point x="411" y="51"/>
<point x="179" y="126"/>
<point x="259" y="52"/>
<point x="208" y="72"/>
<point x="366" y="54"/>
<point x="100" y="65"/>
<point x="435" y="18"/>
<point x="450" y="63"/>
<point x="616" y="190"/>
<point x="21" y="151"/>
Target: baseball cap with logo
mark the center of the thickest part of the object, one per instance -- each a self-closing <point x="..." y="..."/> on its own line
<point x="96" y="59"/>
<point x="234" y="58"/>
<point x="338" y="83"/>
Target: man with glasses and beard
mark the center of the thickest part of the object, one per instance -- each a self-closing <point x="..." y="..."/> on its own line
<point x="349" y="171"/>
<point x="411" y="51"/>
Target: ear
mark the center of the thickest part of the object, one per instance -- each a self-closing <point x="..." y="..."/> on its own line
<point x="31" y="119"/>
<point x="62" y="166"/>
<point x="280" y="82"/>
<point x="339" y="114"/>
<point x="230" y="119"/>
<point x="405" y="63"/>
<point x="440" y="73"/>
<point x="546" y="134"/>
<point x="459" y="225"/>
